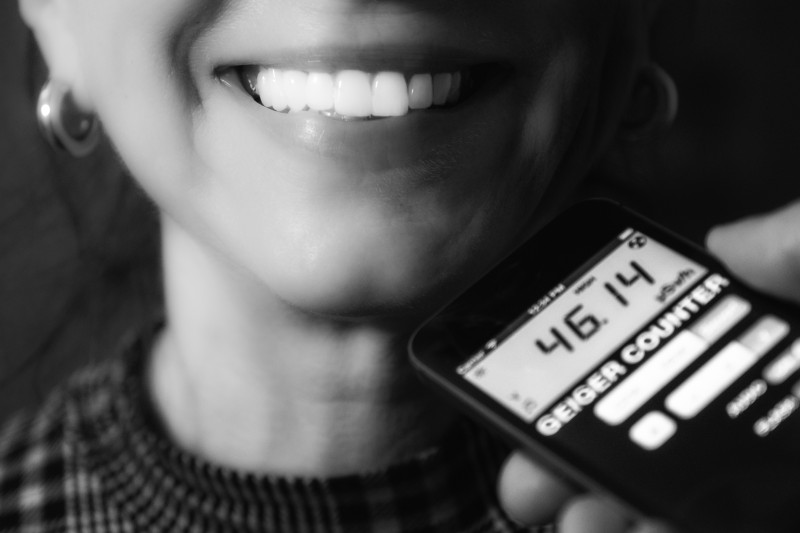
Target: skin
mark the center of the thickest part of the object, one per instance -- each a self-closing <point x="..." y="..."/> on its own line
<point x="299" y="253"/>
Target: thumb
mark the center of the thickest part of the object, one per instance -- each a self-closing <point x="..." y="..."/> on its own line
<point x="530" y="494"/>
<point x="763" y="250"/>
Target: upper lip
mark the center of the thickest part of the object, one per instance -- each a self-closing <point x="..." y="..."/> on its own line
<point x="420" y="42"/>
<point x="397" y="59"/>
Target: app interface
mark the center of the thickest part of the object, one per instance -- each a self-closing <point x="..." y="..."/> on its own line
<point x="631" y="321"/>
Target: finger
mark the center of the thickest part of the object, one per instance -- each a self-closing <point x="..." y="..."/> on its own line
<point x="652" y="527"/>
<point x="528" y="493"/>
<point x="590" y="514"/>
<point x="764" y="250"/>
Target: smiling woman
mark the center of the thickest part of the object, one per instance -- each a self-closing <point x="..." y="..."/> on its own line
<point x="326" y="173"/>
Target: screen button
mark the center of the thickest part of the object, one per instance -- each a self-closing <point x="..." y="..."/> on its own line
<point x="706" y="384"/>
<point x="721" y="318"/>
<point x="765" y="334"/>
<point x="650" y="378"/>
<point x="783" y="366"/>
<point x="652" y="430"/>
<point x="726" y="367"/>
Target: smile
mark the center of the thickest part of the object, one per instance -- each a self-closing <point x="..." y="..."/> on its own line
<point x="354" y="94"/>
<point x="377" y="111"/>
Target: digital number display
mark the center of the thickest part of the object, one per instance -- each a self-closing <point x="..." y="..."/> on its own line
<point x="582" y="325"/>
<point x="573" y="328"/>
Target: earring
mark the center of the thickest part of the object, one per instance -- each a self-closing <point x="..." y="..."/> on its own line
<point x="654" y="104"/>
<point x="66" y="128"/>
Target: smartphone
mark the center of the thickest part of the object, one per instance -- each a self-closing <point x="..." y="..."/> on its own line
<point x="632" y="362"/>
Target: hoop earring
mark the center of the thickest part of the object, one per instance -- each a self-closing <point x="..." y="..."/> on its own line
<point x="66" y="128"/>
<point x="654" y="104"/>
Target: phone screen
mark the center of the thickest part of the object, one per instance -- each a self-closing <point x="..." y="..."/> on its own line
<point x="655" y="373"/>
<point x="578" y="324"/>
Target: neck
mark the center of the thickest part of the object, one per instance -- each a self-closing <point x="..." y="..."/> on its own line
<point x="246" y="381"/>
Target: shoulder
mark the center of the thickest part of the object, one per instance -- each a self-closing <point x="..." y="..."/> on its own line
<point x="32" y="461"/>
<point x="40" y="467"/>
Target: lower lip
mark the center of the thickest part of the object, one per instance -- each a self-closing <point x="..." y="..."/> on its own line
<point x="381" y="143"/>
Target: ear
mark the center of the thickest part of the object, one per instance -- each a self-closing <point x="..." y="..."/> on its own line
<point x="627" y="53"/>
<point x="55" y="32"/>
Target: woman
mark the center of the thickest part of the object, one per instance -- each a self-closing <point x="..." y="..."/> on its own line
<point x="304" y="235"/>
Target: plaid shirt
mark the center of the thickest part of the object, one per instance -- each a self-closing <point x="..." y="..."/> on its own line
<point x="93" y="460"/>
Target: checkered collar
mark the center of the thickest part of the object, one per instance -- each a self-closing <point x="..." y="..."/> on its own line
<point x="154" y="482"/>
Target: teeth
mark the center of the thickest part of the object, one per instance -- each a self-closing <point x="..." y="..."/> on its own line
<point x="389" y="95"/>
<point x="455" y="88"/>
<point x="354" y="93"/>
<point x="442" y="83"/>
<point x="270" y="89"/>
<point x="294" y="87"/>
<point x="420" y="91"/>
<point x="353" y="96"/>
<point x="319" y="91"/>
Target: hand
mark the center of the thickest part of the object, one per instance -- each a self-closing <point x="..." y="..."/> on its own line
<point x="532" y="496"/>
<point x="763" y="251"/>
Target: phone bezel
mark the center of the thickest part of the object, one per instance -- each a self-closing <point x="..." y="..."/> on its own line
<point x="567" y="243"/>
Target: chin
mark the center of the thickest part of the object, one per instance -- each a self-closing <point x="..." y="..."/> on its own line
<point x="398" y="284"/>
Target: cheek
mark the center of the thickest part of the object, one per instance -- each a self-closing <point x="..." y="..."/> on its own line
<point x="558" y="109"/>
<point x="136" y="87"/>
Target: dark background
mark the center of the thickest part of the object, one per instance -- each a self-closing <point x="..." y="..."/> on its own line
<point x="76" y="254"/>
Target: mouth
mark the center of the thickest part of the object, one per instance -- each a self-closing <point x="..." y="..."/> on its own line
<point x="379" y="87"/>
<point x="376" y="108"/>
<point x="360" y="95"/>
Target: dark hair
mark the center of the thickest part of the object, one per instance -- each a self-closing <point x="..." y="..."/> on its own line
<point x="78" y="242"/>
